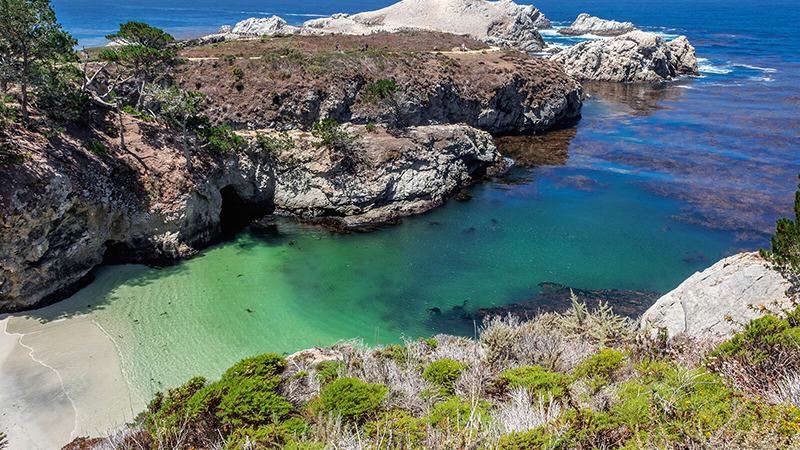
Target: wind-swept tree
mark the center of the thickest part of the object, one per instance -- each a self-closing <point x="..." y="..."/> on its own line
<point x="30" y="37"/>
<point x="785" y="252"/>
<point x="179" y="107"/>
<point x="142" y="50"/>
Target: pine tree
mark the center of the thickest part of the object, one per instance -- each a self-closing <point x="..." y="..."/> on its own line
<point x="785" y="253"/>
<point x="30" y="37"/>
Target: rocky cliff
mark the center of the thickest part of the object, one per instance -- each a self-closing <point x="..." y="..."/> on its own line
<point x="586" y="24"/>
<point x="289" y="83"/>
<point x="632" y="57"/>
<point x="66" y="210"/>
<point x="721" y="299"/>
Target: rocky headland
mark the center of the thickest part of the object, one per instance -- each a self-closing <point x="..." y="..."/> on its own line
<point x="637" y="56"/>
<point x="66" y="209"/>
<point x="586" y="24"/>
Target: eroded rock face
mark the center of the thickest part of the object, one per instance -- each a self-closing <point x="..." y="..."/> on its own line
<point x="732" y="288"/>
<point x="632" y="57"/>
<point x="63" y="209"/>
<point x="586" y="24"/>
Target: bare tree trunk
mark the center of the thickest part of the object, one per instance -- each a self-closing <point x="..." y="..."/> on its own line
<point x="24" y="105"/>
<point x="186" y="149"/>
<point x="121" y="126"/>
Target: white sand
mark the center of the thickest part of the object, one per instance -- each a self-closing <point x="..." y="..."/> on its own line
<point x="59" y="380"/>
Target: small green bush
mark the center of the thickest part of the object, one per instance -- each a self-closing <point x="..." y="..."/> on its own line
<point x="328" y="371"/>
<point x="533" y="439"/>
<point x="600" y="367"/>
<point x="9" y="155"/>
<point x="251" y="401"/>
<point x="379" y="90"/>
<point x="538" y="380"/>
<point x="266" y="367"/>
<point x="432" y="343"/>
<point x="354" y="399"/>
<point x="394" y="352"/>
<point x="454" y="413"/>
<point x="220" y="138"/>
<point x="370" y="126"/>
<point x="281" y="435"/>
<point x="443" y="373"/>
<point x="275" y="146"/>
<point x="97" y="147"/>
<point x="331" y="134"/>
<point x="238" y="73"/>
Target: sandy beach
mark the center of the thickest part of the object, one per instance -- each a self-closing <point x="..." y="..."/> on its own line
<point x="59" y="379"/>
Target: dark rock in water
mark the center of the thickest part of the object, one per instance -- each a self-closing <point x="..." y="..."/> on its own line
<point x="469" y="230"/>
<point x="464" y="196"/>
<point x="556" y="297"/>
<point x="549" y="149"/>
<point x="435" y="310"/>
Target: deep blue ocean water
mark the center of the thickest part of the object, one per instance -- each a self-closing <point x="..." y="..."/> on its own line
<point x="661" y="181"/>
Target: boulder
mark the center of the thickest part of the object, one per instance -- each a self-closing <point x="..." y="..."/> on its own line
<point x="632" y="57"/>
<point x="225" y="29"/>
<point x="721" y="299"/>
<point x="586" y="24"/>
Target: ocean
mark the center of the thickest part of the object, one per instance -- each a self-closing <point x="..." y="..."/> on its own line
<point x="660" y="181"/>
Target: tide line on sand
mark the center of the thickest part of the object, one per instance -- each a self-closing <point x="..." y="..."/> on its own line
<point x="59" y="379"/>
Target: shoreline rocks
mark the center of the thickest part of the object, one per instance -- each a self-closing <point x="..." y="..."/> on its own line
<point x="720" y="300"/>
<point x="586" y="24"/>
<point x="632" y="57"/>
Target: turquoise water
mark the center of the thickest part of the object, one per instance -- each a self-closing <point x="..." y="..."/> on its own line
<point x="295" y="287"/>
<point x="661" y="181"/>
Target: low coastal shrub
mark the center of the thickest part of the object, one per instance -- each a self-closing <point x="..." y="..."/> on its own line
<point x="444" y="373"/>
<point x="328" y="371"/>
<point x="275" y="146"/>
<point x="220" y="138"/>
<point x="394" y="352"/>
<point x="9" y="155"/>
<point x="97" y="147"/>
<point x="600" y="367"/>
<point x="539" y="381"/>
<point x="354" y="399"/>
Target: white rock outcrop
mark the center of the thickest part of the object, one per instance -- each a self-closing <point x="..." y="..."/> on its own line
<point x="586" y="24"/>
<point x="733" y="288"/>
<point x="264" y="26"/>
<point x="502" y="23"/>
<point x="632" y="57"/>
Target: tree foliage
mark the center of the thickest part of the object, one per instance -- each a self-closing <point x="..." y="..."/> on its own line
<point x="178" y="108"/>
<point x="785" y="253"/>
<point x="30" y="38"/>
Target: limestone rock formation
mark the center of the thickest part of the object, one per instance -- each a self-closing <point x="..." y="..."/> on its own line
<point x="501" y="23"/>
<point x="732" y="288"/>
<point x="586" y="24"/>
<point x="632" y="57"/>
<point x="263" y="26"/>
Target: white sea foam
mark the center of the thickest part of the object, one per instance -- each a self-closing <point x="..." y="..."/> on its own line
<point x="706" y="66"/>
<point x="763" y="69"/>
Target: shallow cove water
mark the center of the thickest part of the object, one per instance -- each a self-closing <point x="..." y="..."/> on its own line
<point x="658" y="182"/>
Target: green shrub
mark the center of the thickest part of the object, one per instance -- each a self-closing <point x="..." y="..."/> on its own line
<point x="238" y="73"/>
<point x="394" y="352"/>
<point x="533" y="439"/>
<point x="379" y="90"/>
<point x="279" y="436"/>
<point x="600" y="367"/>
<point x="354" y="399"/>
<point x="432" y="343"/>
<point x="220" y="138"/>
<point x="370" y="126"/>
<point x="266" y="367"/>
<point x="331" y="135"/>
<point x="9" y="155"/>
<point x="328" y="371"/>
<point x="443" y="373"/>
<point x="251" y="400"/>
<point x="766" y="350"/>
<point x="785" y="245"/>
<point x="275" y="146"/>
<point x="538" y="380"/>
<point x="454" y="413"/>
<point x="97" y="147"/>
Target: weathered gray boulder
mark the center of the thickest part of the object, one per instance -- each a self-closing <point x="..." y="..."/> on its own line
<point x="225" y="29"/>
<point x="720" y="299"/>
<point x="632" y="57"/>
<point x="586" y="24"/>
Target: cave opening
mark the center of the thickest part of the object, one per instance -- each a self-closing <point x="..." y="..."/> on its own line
<point x="237" y="213"/>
